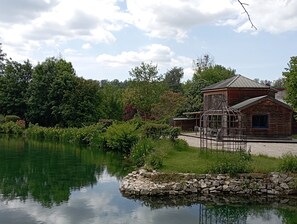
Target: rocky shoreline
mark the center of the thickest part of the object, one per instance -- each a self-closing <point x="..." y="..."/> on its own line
<point x="151" y="183"/>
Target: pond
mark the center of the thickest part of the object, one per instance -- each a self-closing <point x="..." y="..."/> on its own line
<point x="47" y="182"/>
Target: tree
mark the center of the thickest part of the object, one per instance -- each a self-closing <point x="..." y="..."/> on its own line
<point x="172" y="79"/>
<point x="14" y="84"/>
<point x="170" y="102"/>
<point x="2" y="60"/>
<point x="145" y="72"/>
<point x="279" y="83"/>
<point x="214" y="74"/>
<point x="112" y="102"/>
<point x="203" y="63"/>
<point x="290" y="75"/>
<point x="144" y="90"/>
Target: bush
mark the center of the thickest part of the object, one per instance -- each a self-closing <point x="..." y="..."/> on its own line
<point x="158" y="131"/>
<point x="2" y="118"/>
<point x="231" y="165"/>
<point x="121" y="137"/>
<point x="289" y="163"/>
<point x="88" y="135"/>
<point x="154" y="160"/>
<point x="13" y="118"/>
<point x="140" y="151"/>
<point x="11" y="128"/>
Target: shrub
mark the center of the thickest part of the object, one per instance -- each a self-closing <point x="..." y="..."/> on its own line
<point x="140" y="151"/>
<point x="13" y="118"/>
<point x="2" y="118"/>
<point x="289" y="163"/>
<point x="11" y="128"/>
<point x="157" y="131"/>
<point x="154" y="160"/>
<point x="230" y="165"/>
<point x="121" y="137"/>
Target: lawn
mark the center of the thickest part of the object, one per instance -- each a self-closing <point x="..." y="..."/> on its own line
<point x="194" y="160"/>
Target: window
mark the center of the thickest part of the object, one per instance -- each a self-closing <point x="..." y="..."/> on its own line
<point x="260" y="121"/>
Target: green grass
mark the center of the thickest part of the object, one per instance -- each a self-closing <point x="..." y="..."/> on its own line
<point x="193" y="160"/>
<point x="294" y="136"/>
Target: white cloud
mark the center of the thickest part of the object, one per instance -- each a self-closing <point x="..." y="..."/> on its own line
<point x="162" y="55"/>
<point x="59" y="21"/>
<point x="172" y="19"/>
<point x="273" y="16"/>
<point x="86" y="46"/>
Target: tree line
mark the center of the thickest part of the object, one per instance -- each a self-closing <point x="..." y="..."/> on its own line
<point x="51" y="94"/>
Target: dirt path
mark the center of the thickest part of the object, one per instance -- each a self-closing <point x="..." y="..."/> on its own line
<point x="269" y="149"/>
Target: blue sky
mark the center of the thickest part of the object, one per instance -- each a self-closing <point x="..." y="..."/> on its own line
<point x="104" y="39"/>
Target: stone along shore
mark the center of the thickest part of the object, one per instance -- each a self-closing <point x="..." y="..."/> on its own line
<point x="152" y="183"/>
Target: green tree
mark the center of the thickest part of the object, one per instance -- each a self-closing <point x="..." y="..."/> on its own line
<point x="145" y="73"/>
<point x="214" y="74"/>
<point x="290" y="75"/>
<point x="279" y="83"/>
<point x="112" y="102"/>
<point x="41" y="97"/>
<point x="170" y="102"/>
<point x="172" y="79"/>
<point x="144" y="90"/>
<point x="2" y="60"/>
<point x="203" y="63"/>
<point x="14" y="84"/>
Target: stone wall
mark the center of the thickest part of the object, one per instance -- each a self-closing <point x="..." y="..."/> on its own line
<point x="152" y="183"/>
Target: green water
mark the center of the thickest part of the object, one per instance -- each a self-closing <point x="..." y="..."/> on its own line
<point x="47" y="182"/>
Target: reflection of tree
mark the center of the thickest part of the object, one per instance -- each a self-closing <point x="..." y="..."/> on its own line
<point x="289" y="214"/>
<point x="226" y="209"/>
<point x="48" y="171"/>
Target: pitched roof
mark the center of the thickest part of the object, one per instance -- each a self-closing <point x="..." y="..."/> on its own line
<point x="247" y="103"/>
<point x="236" y="81"/>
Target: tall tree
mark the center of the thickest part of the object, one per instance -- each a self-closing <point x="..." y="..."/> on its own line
<point x="144" y="90"/>
<point x="172" y="79"/>
<point x="290" y="75"/>
<point x="14" y="84"/>
<point x="112" y="100"/>
<point x="40" y="101"/>
<point x="214" y="74"/>
<point x="2" y="60"/>
<point x="145" y="73"/>
<point x="170" y="102"/>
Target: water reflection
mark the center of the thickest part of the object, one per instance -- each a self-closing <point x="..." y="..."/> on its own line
<point x="43" y="182"/>
<point x="48" y="172"/>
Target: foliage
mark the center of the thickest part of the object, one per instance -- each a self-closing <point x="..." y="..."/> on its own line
<point x="141" y="150"/>
<point x="121" y="137"/>
<point x="58" y="97"/>
<point x="214" y="74"/>
<point x="11" y="128"/>
<point x="168" y="106"/>
<point x="13" y="118"/>
<point x="289" y="163"/>
<point x="233" y="163"/>
<point x="145" y="73"/>
<point x="290" y="75"/>
<point x="88" y="135"/>
<point x="111" y="106"/>
<point x="172" y="79"/>
<point x="14" y="86"/>
<point x="2" y="118"/>
<point x="145" y="89"/>
<point x="158" y="131"/>
<point x="2" y="59"/>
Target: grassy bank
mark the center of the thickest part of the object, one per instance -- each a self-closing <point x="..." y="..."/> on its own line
<point x="195" y="160"/>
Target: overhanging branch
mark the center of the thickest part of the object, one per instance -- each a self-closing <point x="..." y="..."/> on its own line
<point x="247" y="13"/>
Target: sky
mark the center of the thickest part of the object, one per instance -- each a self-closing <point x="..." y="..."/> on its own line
<point x="105" y="39"/>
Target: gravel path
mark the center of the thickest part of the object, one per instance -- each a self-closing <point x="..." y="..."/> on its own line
<point x="269" y="149"/>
